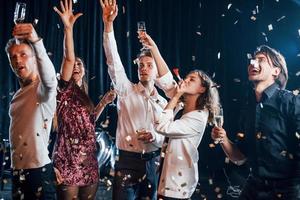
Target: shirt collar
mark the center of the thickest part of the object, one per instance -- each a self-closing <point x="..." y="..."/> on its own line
<point x="269" y="91"/>
<point x="142" y="90"/>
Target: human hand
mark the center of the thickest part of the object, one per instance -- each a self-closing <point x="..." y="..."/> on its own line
<point x="66" y="13"/>
<point x="25" y="31"/>
<point x="109" y="10"/>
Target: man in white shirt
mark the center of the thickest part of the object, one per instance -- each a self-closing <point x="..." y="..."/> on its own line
<point x="31" y="112"/>
<point x="136" y="170"/>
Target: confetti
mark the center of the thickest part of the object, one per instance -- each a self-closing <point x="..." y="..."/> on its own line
<point x="297" y="135"/>
<point x="219" y="55"/>
<point x="280" y="18"/>
<point x="253" y="18"/>
<point x="198" y="33"/>
<point x="297" y="73"/>
<point x="58" y="26"/>
<point x="229" y="6"/>
<point x="127" y="34"/>
<point x="74" y="1"/>
<point x="237" y="80"/>
<point x="123" y="9"/>
<point x="249" y="55"/>
<point x="236" y="22"/>
<point x="93" y="77"/>
<point x="128" y="138"/>
<point x="270" y="27"/>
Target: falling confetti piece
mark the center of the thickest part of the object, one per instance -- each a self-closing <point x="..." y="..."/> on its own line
<point x="249" y="55"/>
<point x="219" y="55"/>
<point x="253" y="18"/>
<point x="198" y="33"/>
<point x="217" y="189"/>
<point x="270" y="27"/>
<point x="237" y="80"/>
<point x="127" y="34"/>
<point x="229" y="6"/>
<point x="128" y="138"/>
<point x="297" y="73"/>
<point x="58" y="26"/>
<point x="281" y="18"/>
<point x="236" y="22"/>
<point x="210" y="181"/>
<point x="227" y="160"/>
<point x="35" y="22"/>
<point x="93" y="77"/>
<point x="297" y="135"/>
<point x="211" y="145"/>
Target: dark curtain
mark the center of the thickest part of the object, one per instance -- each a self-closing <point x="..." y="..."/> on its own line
<point x="212" y="35"/>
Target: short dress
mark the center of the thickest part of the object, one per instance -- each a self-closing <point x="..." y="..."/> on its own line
<point x="75" y="148"/>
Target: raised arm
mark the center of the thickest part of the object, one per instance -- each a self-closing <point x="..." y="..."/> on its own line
<point x="106" y="99"/>
<point x="147" y="41"/>
<point x="46" y="70"/>
<point x="68" y="19"/>
<point x="165" y="79"/>
<point x="115" y="67"/>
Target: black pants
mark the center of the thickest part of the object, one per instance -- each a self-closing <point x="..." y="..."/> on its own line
<point x="30" y="184"/>
<point x="136" y="176"/>
<point x="261" y="189"/>
<point x="168" y="198"/>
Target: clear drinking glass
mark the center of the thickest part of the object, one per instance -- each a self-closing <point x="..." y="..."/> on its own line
<point x="19" y="15"/>
<point x="219" y="120"/>
<point x="141" y="28"/>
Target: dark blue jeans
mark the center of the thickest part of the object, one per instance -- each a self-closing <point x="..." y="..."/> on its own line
<point x="261" y="189"/>
<point x="135" y="178"/>
<point x="38" y="183"/>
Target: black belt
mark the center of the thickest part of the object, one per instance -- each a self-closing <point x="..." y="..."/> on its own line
<point x="143" y="156"/>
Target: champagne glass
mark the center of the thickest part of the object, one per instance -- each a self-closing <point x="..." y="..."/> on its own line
<point x="218" y="121"/>
<point x="141" y="28"/>
<point x="19" y="14"/>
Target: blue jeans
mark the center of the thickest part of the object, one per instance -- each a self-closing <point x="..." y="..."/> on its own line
<point x="37" y="183"/>
<point x="262" y="189"/>
<point x="135" y="178"/>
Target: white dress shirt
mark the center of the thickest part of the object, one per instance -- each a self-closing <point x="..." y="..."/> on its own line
<point x="136" y="107"/>
<point x="31" y="111"/>
<point x="179" y="176"/>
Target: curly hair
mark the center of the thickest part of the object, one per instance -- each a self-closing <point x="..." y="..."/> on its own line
<point x="210" y="99"/>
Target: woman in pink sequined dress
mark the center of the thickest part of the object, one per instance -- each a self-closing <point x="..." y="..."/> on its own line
<point x="74" y="155"/>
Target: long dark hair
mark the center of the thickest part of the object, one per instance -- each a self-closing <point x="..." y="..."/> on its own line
<point x="210" y="99"/>
<point x="85" y="99"/>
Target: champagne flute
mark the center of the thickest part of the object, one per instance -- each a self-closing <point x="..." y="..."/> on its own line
<point x="141" y="28"/>
<point x="19" y="14"/>
<point x="218" y="121"/>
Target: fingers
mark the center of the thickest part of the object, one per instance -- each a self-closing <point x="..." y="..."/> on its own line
<point x="101" y="3"/>
<point x="59" y="178"/>
<point x="57" y="11"/>
<point x="25" y="31"/>
<point x="71" y="5"/>
<point x="77" y="16"/>
<point x="62" y="7"/>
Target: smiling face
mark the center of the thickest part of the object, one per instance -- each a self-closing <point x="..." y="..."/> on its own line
<point x="78" y="71"/>
<point x="146" y="69"/>
<point x="22" y="61"/>
<point x="262" y="70"/>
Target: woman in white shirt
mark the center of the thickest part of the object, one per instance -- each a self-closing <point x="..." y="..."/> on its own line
<point x="179" y="169"/>
<point x="179" y="173"/>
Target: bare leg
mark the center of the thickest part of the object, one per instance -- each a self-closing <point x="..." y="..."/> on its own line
<point x="88" y="192"/>
<point x="65" y="192"/>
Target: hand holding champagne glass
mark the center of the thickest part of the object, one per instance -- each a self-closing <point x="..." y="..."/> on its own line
<point x="219" y="120"/>
<point x="141" y="28"/>
<point x="19" y="15"/>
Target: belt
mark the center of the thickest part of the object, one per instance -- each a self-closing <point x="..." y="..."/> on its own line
<point x="143" y="156"/>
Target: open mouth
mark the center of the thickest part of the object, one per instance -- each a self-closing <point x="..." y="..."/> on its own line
<point x="20" y="68"/>
<point x="254" y="70"/>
